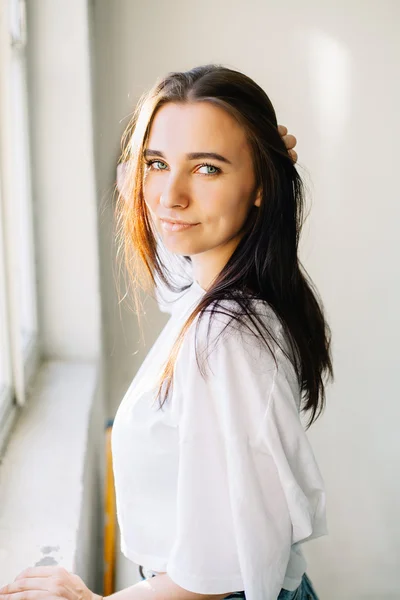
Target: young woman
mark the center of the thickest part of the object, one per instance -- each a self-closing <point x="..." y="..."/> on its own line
<point x="216" y="483"/>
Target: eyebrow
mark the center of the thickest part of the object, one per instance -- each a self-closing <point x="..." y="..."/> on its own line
<point x="190" y="155"/>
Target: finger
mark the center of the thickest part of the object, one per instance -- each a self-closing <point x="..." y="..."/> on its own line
<point x="54" y="585"/>
<point x="47" y="571"/>
<point x="293" y="155"/>
<point x="30" y="595"/>
<point x="282" y="130"/>
<point x="290" y="141"/>
<point x="37" y="588"/>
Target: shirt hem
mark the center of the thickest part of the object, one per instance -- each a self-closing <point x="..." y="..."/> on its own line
<point x="148" y="561"/>
<point x="193" y="583"/>
<point x="290" y="584"/>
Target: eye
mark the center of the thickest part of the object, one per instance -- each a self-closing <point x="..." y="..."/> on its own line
<point x="207" y="165"/>
<point x="150" y="163"/>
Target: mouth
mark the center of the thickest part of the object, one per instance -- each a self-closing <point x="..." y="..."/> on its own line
<point x="176" y="226"/>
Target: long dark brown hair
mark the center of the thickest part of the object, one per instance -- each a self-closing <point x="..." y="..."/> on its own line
<point x="265" y="264"/>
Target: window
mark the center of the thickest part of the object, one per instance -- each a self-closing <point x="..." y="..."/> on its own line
<point x="19" y="353"/>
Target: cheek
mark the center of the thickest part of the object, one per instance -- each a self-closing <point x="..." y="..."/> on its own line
<point x="150" y="194"/>
<point x="226" y="211"/>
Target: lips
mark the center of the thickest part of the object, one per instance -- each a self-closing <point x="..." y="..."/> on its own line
<point x="176" y="226"/>
<point x="177" y="221"/>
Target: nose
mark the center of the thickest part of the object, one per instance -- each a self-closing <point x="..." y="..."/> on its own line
<point x="174" y="192"/>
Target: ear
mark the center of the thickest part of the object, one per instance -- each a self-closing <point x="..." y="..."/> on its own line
<point x="257" y="201"/>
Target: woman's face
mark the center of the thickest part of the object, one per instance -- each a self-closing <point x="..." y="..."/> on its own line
<point x="179" y="185"/>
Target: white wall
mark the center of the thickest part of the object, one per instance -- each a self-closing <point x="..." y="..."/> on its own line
<point x="331" y="71"/>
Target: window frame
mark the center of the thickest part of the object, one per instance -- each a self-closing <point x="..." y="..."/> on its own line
<point x="21" y="355"/>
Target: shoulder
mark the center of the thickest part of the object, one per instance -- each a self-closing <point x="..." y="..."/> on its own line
<point x="231" y="371"/>
<point x="224" y="333"/>
<point x="227" y="319"/>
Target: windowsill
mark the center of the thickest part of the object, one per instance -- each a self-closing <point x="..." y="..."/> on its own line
<point x="44" y="474"/>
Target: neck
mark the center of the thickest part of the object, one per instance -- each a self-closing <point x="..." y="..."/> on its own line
<point x="207" y="265"/>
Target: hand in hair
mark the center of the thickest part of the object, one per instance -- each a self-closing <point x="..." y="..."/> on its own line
<point x="290" y="141"/>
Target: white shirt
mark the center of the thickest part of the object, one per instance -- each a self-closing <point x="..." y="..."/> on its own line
<point x="220" y="487"/>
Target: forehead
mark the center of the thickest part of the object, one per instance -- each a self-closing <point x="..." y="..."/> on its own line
<point x="193" y="127"/>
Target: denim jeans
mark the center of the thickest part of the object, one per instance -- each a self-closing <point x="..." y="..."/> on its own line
<point x="305" y="591"/>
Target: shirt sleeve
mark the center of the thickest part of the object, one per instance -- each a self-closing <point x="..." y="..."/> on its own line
<point x="248" y="483"/>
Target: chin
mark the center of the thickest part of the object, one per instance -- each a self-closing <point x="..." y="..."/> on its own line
<point x="183" y="247"/>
